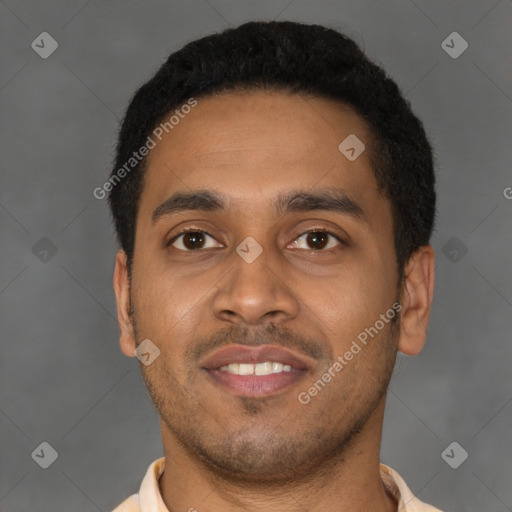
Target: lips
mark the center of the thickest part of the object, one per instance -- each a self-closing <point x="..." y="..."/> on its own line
<point x="243" y="354"/>
<point x="228" y="369"/>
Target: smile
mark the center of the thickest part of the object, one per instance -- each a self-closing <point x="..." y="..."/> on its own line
<point x="266" y="368"/>
<point x="255" y="371"/>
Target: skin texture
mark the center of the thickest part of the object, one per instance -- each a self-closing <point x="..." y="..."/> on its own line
<point x="227" y="452"/>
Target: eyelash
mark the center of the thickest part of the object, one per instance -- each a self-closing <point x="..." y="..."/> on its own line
<point x="195" y="230"/>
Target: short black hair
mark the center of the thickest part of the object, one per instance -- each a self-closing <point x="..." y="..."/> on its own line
<point x="296" y="58"/>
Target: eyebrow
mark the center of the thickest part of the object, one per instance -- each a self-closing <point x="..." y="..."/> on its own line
<point x="333" y="200"/>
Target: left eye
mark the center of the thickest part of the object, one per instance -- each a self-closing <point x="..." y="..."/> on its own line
<point x="319" y="239"/>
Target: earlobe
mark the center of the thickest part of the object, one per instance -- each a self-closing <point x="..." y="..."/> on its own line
<point x="122" y="291"/>
<point x="416" y="299"/>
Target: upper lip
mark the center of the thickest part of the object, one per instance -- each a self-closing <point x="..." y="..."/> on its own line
<point x="253" y="355"/>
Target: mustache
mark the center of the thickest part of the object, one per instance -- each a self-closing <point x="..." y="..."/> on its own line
<point x="267" y="335"/>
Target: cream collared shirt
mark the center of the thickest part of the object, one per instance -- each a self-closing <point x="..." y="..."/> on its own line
<point x="149" y="498"/>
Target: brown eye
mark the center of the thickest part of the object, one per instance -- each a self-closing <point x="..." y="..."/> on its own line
<point x="317" y="240"/>
<point x="192" y="240"/>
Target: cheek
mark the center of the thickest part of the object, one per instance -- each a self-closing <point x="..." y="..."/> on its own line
<point x="167" y="311"/>
<point x="352" y="302"/>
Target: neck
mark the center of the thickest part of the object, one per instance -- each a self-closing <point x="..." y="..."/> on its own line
<point x="351" y="482"/>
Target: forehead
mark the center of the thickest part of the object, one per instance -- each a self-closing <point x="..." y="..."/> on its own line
<point x="250" y="145"/>
<point x="259" y="121"/>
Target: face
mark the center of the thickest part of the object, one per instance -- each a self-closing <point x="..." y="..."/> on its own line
<point x="264" y="275"/>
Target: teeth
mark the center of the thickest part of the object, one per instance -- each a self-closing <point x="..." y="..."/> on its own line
<point x="266" y="368"/>
<point x="263" y="368"/>
<point x="245" y="369"/>
<point x="277" y="367"/>
<point x="231" y="368"/>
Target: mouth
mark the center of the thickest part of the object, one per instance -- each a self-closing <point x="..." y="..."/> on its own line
<point x="255" y="371"/>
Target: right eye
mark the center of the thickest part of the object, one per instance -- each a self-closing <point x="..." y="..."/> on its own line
<point x="191" y="239"/>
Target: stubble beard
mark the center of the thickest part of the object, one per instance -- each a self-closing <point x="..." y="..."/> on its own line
<point x="261" y="456"/>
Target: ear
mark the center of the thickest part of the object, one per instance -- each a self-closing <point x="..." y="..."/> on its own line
<point x="416" y="299"/>
<point x="124" y="316"/>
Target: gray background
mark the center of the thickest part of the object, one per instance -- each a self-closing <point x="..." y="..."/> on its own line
<point x="63" y="378"/>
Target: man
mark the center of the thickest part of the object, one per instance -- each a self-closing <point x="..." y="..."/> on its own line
<point x="273" y="197"/>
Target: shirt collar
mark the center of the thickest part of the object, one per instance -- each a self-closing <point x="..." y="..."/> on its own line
<point x="150" y="499"/>
<point x="407" y="501"/>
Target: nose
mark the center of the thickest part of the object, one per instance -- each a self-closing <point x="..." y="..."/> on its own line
<point x="256" y="292"/>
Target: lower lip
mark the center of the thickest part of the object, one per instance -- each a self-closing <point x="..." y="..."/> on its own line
<point x="255" y="385"/>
